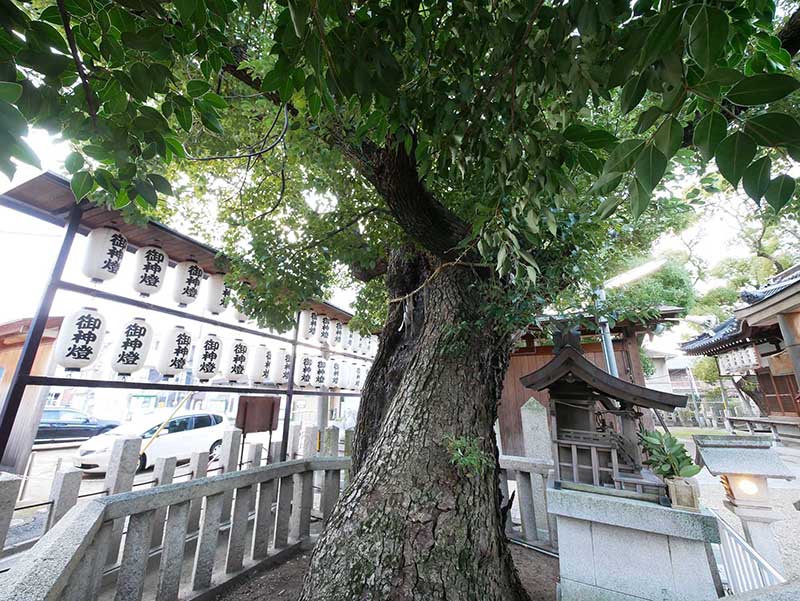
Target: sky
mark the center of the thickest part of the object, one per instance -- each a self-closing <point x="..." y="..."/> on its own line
<point x="28" y="248"/>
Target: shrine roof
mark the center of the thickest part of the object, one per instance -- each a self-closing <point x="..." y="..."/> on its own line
<point x="570" y="364"/>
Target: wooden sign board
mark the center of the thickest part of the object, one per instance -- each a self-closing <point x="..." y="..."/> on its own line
<point x="258" y="413"/>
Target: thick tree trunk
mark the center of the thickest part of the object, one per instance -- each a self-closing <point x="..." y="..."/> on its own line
<point x="416" y="523"/>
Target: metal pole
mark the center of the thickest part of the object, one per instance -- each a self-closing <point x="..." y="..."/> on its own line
<point x="287" y="413"/>
<point x="16" y="389"/>
<point x="605" y="337"/>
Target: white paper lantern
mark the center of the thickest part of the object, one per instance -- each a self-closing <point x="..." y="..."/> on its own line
<point x="131" y="350"/>
<point x="174" y="352"/>
<point x="358" y="375"/>
<point x="323" y="329"/>
<point x="333" y="375"/>
<point x="337" y="331"/>
<point x="347" y="338"/>
<point x="209" y="357"/>
<point x="374" y="343"/>
<point x="304" y="371"/>
<point x="355" y="345"/>
<point x="218" y="294"/>
<point x="260" y="364"/>
<point x="235" y="364"/>
<point x="188" y="275"/>
<point x="308" y="324"/>
<point x="104" y="252"/>
<point x="239" y="316"/>
<point x="281" y="364"/>
<point x="151" y="270"/>
<point x="80" y="339"/>
<point x="320" y="372"/>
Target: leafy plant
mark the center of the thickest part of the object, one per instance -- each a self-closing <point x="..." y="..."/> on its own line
<point x="466" y="454"/>
<point x="666" y="455"/>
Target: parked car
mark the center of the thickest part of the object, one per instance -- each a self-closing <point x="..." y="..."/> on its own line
<point x="181" y="436"/>
<point x="59" y="423"/>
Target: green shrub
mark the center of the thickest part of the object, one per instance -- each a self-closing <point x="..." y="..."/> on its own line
<point x="666" y="455"/>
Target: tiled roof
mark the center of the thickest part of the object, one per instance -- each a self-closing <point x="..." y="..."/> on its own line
<point x="776" y="284"/>
<point x="728" y="331"/>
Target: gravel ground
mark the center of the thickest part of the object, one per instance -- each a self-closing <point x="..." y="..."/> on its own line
<point x="538" y="573"/>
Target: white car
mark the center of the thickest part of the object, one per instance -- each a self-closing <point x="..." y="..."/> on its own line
<point x="182" y="435"/>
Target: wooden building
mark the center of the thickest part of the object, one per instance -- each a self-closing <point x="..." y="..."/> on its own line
<point x="594" y="421"/>
<point x="759" y="347"/>
<point x="536" y="350"/>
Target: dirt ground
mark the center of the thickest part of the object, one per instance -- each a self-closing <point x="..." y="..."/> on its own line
<point x="538" y="573"/>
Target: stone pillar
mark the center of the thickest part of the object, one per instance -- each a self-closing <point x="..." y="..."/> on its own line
<point x="229" y="460"/>
<point x="119" y="478"/>
<point x="63" y="493"/>
<point x="9" y="488"/>
<point x="163" y="473"/>
<point x="538" y="447"/>
<point x="790" y="330"/>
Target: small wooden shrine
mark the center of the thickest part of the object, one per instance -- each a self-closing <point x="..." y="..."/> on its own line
<point x="594" y="421"/>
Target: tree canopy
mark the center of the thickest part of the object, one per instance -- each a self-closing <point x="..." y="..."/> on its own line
<point x="531" y="136"/>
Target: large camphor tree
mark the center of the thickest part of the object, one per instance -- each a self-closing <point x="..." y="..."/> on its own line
<point x="473" y="162"/>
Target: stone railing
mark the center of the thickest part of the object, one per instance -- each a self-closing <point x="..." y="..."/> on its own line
<point x="530" y="478"/>
<point x="106" y="544"/>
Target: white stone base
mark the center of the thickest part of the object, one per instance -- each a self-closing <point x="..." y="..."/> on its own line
<point x="616" y="549"/>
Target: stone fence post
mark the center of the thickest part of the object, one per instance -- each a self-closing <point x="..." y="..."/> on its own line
<point x="119" y="478"/>
<point x="9" y="489"/>
<point x="63" y="493"/>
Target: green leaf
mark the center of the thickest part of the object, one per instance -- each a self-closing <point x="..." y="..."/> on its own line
<point x="211" y="122"/>
<point x="662" y="36"/>
<point x="623" y="157"/>
<point x="638" y="197"/>
<point x="74" y="162"/>
<point x="160" y="183"/>
<point x="215" y="100"/>
<point x="598" y="138"/>
<point x="186" y="9"/>
<point x="708" y="133"/>
<point x="669" y="136"/>
<point x="647" y="119"/>
<point x="708" y="35"/>
<point x="724" y="76"/>
<point x="762" y="89"/>
<point x="650" y="167"/>
<point x="197" y="87"/>
<point x="82" y="183"/>
<point x="733" y="156"/>
<point x="589" y="161"/>
<point x="11" y="120"/>
<point x="146" y="191"/>
<point x="633" y="92"/>
<point x="20" y="150"/>
<point x="689" y="471"/>
<point x="608" y="206"/>
<point x="779" y="192"/>
<point x="10" y="92"/>
<point x="299" y="11"/>
<point x="773" y="129"/>
<point x="606" y="183"/>
<point x="755" y="180"/>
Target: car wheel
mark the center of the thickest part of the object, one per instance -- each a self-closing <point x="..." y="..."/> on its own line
<point x="215" y="452"/>
<point x="142" y="462"/>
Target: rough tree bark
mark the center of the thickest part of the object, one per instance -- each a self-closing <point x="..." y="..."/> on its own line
<point x="414" y="525"/>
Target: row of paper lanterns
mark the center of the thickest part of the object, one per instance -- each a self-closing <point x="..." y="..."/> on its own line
<point x="104" y="254"/>
<point x="317" y="327"/>
<point x="80" y="341"/>
<point x="106" y="249"/>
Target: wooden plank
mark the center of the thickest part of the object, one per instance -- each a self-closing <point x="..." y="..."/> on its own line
<point x="575" y="473"/>
<point x="595" y="465"/>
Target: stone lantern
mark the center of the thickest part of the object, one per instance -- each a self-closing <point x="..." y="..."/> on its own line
<point x="744" y="464"/>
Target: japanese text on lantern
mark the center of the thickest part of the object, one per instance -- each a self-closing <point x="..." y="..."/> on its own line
<point x="132" y="343"/>
<point x="114" y="254"/>
<point x="239" y="358"/>
<point x="181" y="351"/>
<point x="86" y="327"/>
<point x="192" y="283"/>
<point x="210" y="355"/>
<point x="151" y="270"/>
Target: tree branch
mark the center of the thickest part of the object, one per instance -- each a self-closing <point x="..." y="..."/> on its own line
<point x="73" y="48"/>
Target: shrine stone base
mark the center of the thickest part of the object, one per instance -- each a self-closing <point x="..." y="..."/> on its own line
<point x="616" y="549"/>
